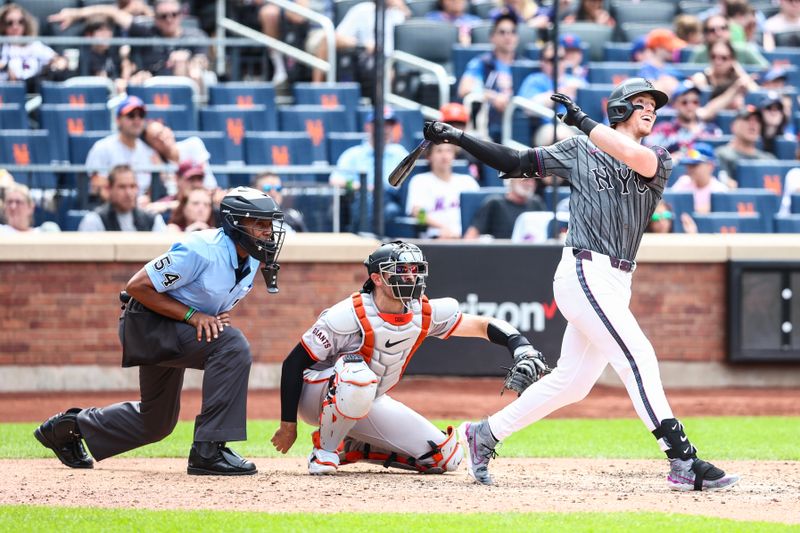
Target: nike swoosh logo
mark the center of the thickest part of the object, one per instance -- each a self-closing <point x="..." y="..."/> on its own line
<point x="674" y="427"/>
<point x="683" y="439"/>
<point x="687" y="449"/>
<point x="594" y="151"/>
<point x="389" y="344"/>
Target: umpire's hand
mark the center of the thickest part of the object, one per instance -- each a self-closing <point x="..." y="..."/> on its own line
<point x="210" y="325"/>
<point x="285" y="436"/>
<point x="439" y="132"/>
<point x="574" y="116"/>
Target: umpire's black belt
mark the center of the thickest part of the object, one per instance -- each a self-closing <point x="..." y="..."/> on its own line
<point x="622" y="264"/>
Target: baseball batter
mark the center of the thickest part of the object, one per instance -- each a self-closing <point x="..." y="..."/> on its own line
<point x="340" y="373"/>
<point x="615" y="184"/>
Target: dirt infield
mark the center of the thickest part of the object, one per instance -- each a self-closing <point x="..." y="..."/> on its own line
<point x="770" y="490"/>
<point x="523" y="485"/>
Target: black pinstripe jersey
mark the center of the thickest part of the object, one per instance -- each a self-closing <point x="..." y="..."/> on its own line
<point x="610" y="205"/>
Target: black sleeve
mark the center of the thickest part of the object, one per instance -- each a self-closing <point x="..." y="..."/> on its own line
<point x="292" y="381"/>
<point x="512" y="163"/>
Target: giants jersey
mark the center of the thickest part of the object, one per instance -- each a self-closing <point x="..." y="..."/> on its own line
<point x="386" y="341"/>
<point x="610" y="204"/>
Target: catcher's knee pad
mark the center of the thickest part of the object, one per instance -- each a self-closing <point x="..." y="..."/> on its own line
<point x="350" y="396"/>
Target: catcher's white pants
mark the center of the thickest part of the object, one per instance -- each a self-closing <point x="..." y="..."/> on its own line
<point x="389" y="425"/>
<point x="594" y="298"/>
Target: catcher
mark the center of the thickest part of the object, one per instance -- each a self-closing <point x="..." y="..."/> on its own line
<point x="346" y="363"/>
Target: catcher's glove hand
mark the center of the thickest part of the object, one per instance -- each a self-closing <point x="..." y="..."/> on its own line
<point x="528" y="368"/>
<point x="574" y="116"/>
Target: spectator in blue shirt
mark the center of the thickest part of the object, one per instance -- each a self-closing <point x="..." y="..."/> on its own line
<point x="177" y="315"/>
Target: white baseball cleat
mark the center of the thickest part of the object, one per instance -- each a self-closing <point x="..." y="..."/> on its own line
<point x="696" y="474"/>
<point x="322" y="462"/>
<point x="478" y="442"/>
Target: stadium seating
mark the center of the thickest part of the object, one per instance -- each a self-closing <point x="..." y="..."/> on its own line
<point x="63" y="120"/>
<point x="165" y="95"/>
<point x="420" y="8"/>
<point x="74" y="95"/>
<point x="410" y="122"/>
<point x="13" y="117"/>
<point x="177" y="117"/>
<point x="547" y="194"/>
<point x="681" y="202"/>
<point x="612" y="73"/>
<point x="80" y="143"/>
<point x="787" y="223"/>
<point x="28" y="147"/>
<point x="428" y="40"/>
<point x="242" y="94"/>
<point x="592" y="100"/>
<point x="214" y="142"/>
<point x="785" y="148"/>
<point x="316" y="121"/>
<point x="594" y="35"/>
<point x="331" y="95"/>
<point x="645" y="12"/>
<point x="340" y="8"/>
<point x="12" y="92"/>
<point x="728" y="223"/>
<point x="471" y="201"/>
<point x="339" y="141"/>
<point x="744" y="201"/>
<point x="236" y="121"/>
<point x="278" y="148"/>
<point x="764" y="174"/>
<point x="617" y="52"/>
<point x="461" y="55"/>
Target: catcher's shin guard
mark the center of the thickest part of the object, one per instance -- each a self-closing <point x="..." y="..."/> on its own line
<point x="349" y="398"/>
<point x="443" y="457"/>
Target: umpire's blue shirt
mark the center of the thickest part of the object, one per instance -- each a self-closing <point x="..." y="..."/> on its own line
<point x="201" y="272"/>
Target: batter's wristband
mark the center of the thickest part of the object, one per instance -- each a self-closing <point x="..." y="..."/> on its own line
<point x="587" y="125"/>
<point x="189" y="314"/>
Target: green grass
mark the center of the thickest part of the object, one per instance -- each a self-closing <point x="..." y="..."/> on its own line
<point x="24" y="518"/>
<point x="718" y="438"/>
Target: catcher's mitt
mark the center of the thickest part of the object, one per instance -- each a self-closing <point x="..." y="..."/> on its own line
<point x="528" y="368"/>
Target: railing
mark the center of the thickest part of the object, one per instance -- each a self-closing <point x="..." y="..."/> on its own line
<point x="532" y="108"/>
<point x="443" y="79"/>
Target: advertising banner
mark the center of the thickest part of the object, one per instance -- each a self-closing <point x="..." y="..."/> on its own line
<point x="513" y="282"/>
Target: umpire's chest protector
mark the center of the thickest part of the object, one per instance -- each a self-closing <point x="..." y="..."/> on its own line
<point x="389" y="341"/>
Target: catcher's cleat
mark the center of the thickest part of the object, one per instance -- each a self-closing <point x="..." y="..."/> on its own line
<point x="216" y="459"/>
<point x="322" y="462"/>
<point x="60" y="433"/>
<point x="478" y="442"/>
<point x="696" y="474"/>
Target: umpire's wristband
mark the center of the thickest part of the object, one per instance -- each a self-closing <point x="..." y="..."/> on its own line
<point x="587" y="125"/>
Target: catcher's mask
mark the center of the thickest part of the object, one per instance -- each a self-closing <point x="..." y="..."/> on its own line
<point x="403" y="268"/>
<point x="244" y="203"/>
<point x="619" y="107"/>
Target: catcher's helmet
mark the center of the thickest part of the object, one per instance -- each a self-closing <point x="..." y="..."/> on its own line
<point x="403" y="268"/>
<point x="619" y="107"/>
<point x="243" y="203"/>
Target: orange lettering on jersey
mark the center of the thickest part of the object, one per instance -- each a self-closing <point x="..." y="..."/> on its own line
<point x="244" y="100"/>
<point x="329" y="100"/>
<point x="77" y="100"/>
<point x="280" y="155"/>
<point x="22" y="155"/>
<point x="161" y="99"/>
<point x="235" y="130"/>
<point x="773" y="183"/>
<point x="75" y="126"/>
<point x="745" y="207"/>
<point x="316" y="130"/>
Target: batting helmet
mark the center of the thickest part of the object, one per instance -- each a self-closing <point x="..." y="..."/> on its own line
<point x="244" y="203"/>
<point x="619" y="107"/>
<point x="403" y="268"/>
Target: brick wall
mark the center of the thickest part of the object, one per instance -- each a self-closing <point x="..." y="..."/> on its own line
<point x="65" y="313"/>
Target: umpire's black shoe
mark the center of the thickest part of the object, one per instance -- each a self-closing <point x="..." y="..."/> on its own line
<point x="61" y="434"/>
<point x="216" y="459"/>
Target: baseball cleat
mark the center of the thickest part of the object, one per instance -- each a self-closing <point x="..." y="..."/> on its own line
<point x="696" y="474"/>
<point x="322" y="462"/>
<point x="478" y="443"/>
<point x="61" y="434"/>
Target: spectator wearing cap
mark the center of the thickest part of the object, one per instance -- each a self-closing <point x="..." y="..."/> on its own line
<point x="777" y="120"/>
<point x="120" y="213"/>
<point x="663" y="47"/>
<point x="573" y="55"/>
<point x="455" y="12"/>
<point x="639" y="51"/>
<point x="715" y="29"/>
<point x="455" y="114"/>
<point x="725" y="75"/>
<point x="122" y="148"/>
<point x="699" y="178"/>
<point x="746" y="128"/>
<point x="488" y="76"/>
<point x="161" y="138"/>
<point x="538" y="86"/>
<point x="360" y="159"/>
<point x="774" y="79"/>
<point x="692" y="122"/>
<point x="272" y="184"/>
<point x="689" y="29"/>
<point x="189" y="176"/>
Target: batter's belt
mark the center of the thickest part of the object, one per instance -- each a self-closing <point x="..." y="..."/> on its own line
<point x="621" y="264"/>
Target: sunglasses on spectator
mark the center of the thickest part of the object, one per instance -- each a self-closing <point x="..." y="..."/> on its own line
<point x="716" y="29"/>
<point x="135" y="115"/>
<point x="268" y="188"/>
<point x="15" y="22"/>
<point x="167" y="15"/>
<point x="666" y="215"/>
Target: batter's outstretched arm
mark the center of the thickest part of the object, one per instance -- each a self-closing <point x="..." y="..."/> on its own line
<point x="512" y="163"/>
<point x="291" y="388"/>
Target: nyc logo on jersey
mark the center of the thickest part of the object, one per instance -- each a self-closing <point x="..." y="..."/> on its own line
<point x="624" y="175"/>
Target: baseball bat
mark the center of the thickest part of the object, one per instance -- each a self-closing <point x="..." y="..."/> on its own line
<point x="401" y="171"/>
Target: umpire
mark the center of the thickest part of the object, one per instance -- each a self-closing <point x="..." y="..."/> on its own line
<point x="176" y="317"/>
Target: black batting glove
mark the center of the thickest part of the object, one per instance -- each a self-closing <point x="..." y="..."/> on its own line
<point x="439" y="132"/>
<point x="574" y="115"/>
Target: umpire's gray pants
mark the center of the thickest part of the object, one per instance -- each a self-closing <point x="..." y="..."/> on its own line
<point x="120" y="427"/>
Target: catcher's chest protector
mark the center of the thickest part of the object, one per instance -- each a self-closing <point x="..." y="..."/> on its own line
<point x="387" y="347"/>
